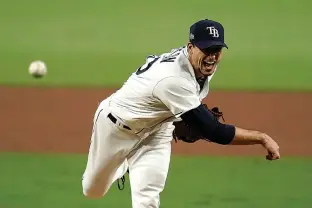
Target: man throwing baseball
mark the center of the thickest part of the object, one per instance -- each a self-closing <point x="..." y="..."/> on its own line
<point x="133" y="128"/>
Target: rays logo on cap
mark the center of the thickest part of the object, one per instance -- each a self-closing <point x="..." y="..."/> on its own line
<point x="213" y="31"/>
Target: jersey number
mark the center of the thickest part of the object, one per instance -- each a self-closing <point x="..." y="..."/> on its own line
<point x="149" y="62"/>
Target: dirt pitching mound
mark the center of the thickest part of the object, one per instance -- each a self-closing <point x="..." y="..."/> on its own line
<point x="60" y="120"/>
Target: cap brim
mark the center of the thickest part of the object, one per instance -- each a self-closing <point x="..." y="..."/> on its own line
<point x="207" y="44"/>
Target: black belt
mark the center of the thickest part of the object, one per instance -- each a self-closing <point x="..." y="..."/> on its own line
<point x="114" y="120"/>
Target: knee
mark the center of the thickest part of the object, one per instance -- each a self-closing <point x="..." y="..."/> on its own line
<point x="91" y="194"/>
<point x="92" y="191"/>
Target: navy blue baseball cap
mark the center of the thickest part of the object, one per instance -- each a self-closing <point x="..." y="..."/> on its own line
<point x="206" y="33"/>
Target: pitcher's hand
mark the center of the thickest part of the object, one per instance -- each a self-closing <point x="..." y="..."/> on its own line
<point x="272" y="147"/>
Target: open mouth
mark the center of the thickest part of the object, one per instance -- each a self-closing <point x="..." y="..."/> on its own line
<point x="209" y="63"/>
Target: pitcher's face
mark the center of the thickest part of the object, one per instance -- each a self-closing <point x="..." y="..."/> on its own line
<point x="204" y="61"/>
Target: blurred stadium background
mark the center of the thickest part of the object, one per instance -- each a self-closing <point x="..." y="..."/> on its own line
<point x="264" y="82"/>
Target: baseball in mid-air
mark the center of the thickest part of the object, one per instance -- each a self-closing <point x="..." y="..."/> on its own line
<point x="37" y="69"/>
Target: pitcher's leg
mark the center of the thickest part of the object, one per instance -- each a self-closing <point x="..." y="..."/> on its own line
<point x="108" y="150"/>
<point x="148" y="173"/>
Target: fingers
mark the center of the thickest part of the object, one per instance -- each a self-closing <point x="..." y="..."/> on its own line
<point x="272" y="148"/>
<point x="273" y="156"/>
<point x="268" y="157"/>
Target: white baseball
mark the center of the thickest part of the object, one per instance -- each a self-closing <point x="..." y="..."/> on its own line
<point x="37" y="69"/>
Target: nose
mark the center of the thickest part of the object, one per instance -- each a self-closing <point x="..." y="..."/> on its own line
<point x="212" y="56"/>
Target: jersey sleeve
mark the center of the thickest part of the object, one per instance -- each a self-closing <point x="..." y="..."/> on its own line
<point x="178" y="94"/>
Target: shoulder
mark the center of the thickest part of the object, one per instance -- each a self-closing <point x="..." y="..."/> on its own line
<point x="172" y="56"/>
<point x="165" y="69"/>
<point x="175" y="63"/>
<point x="163" y="63"/>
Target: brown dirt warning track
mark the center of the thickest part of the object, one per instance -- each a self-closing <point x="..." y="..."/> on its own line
<point x="60" y="120"/>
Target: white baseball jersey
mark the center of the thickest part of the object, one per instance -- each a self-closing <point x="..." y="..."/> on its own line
<point x="159" y="92"/>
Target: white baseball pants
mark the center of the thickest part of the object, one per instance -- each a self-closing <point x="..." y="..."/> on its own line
<point x="114" y="149"/>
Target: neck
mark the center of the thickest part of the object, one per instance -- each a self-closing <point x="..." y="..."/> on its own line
<point x="198" y="74"/>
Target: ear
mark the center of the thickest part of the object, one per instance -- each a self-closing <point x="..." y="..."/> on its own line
<point x="189" y="47"/>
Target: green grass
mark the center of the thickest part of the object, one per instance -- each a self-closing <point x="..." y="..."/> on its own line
<point x="101" y="42"/>
<point x="47" y="181"/>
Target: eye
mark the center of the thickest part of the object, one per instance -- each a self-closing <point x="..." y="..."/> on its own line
<point x="212" y="50"/>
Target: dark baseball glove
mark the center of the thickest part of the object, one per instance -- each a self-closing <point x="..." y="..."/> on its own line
<point x="187" y="134"/>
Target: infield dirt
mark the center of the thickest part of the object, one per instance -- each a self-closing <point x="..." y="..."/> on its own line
<point x="60" y="120"/>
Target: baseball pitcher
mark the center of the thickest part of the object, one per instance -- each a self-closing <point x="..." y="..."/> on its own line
<point x="161" y="100"/>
